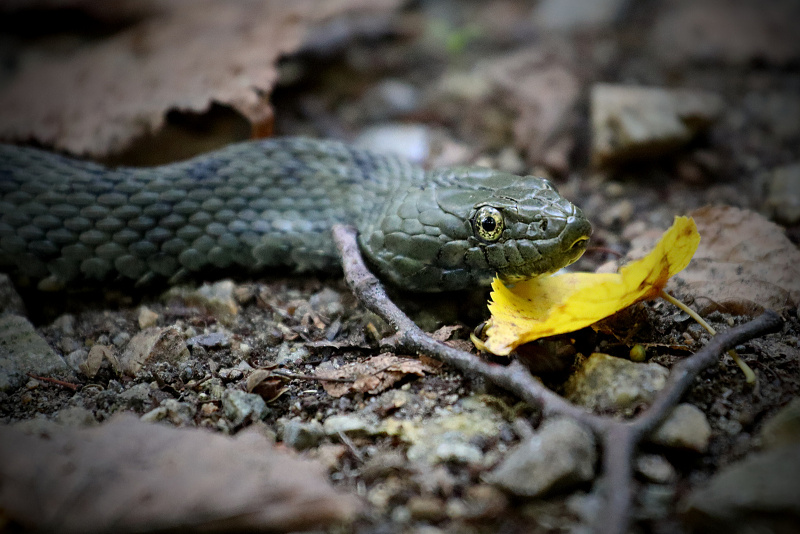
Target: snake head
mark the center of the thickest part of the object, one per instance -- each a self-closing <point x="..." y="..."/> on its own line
<point x="521" y="227"/>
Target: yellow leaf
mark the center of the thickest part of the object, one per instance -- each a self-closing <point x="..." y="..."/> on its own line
<point x="557" y="304"/>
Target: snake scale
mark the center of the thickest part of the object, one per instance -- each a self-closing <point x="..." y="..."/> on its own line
<point x="272" y="203"/>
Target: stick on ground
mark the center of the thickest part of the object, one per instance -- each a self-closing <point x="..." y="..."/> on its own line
<point x="619" y="439"/>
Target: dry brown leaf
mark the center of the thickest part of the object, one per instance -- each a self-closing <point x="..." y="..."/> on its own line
<point x="182" y="55"/>
<point x="131" y="476"/>
<point x="372" y="375"/>
<point x="744" y="264"/>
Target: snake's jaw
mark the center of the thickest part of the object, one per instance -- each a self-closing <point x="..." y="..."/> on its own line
<point x="547" y="244"/>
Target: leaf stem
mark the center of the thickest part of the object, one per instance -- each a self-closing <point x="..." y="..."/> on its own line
<point x="749" y="375"/>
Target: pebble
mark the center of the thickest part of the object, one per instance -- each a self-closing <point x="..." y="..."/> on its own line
<point x="22" y="351"/>
<point x="302" y="435"/>
<point x="605" y="383"/>
<point x="783" y="428"/>
<point x="151" y="346"/>
<point x="760" y="491"/>
<point x="327" y="302"/>
<point x="350" y="425"/>
<point x="213" y="340"/>
<point x="146" y="318"/>
<point x="452" y="434"/>
<point x="411" y="141"/>
<point x="390" y="99"/>
<point x="783" y="194"/>
<point x="218" y="298"/>
<point x="76" y="416"/>
<point x="686" y="427"/>
<point x="631" y="122"/>
<point x="655" y="468"/>
<point x="10" y="301"/>
<point x="176" y="412"/>
<point x="571" y="15"/>
<point x="560" y="455"/>
<point x="239" y="406"/>
<point x="290" y="353"/>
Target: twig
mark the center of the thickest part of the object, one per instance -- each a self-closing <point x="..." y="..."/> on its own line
<point x="619" y="439"/>
<point x="286" y="374"/>
<point x="62" y="383"/>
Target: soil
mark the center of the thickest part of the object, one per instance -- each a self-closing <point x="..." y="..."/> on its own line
<point x="322" y="95"/>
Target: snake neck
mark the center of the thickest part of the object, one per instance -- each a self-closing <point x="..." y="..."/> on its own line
<point x="255" y="204"/>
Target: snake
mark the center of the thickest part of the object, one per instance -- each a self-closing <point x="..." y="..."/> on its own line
<point x="271" y="204"/>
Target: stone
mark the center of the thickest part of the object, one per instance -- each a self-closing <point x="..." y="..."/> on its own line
<point x="686" y="427"/>
<point x="171" y="410"/>
<point x="212" y="340"/>
<point x="411" y="141"/>
<point x="146" y="318"/>
<point x="605" y="383"/>
<point x="569" y="15"/>
<point x="783" y="428"/>
<point x="655" y="468"/>
<point x="762" y="491"/>
<point x="153" y="345"/>
<point x="783" y="194"/>
<point x="631" y="123"/>
<point x="350" y="425"/>
<point x="23" y="351"/>
<point x="10" y="301"/>
<point x="302" y="435"/>
<point x="559" y="456"/>
<point x="240" y="407"/>
<point x="453" y="434"/>
<point x="290" y="353"/>
<point x="218" y="298"/>
<point x="76" y="416"/>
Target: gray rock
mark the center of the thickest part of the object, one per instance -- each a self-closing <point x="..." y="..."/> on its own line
<point x="686" y="427"/>
<point x="646" y="122"/>
<point x="176" y="412"/>
<point x="558" y="456"/>
<point x="783" y="194"/>
<point x="605" y="383"/>
<point x="412" y="141"/>
<point x="758" y="494"/>
<point x="350" y="425"/>
<point x="218" y="298"/>
<point x="10" y="301"/>
<point x="453" y="433"/>
<point x="22" y="351"/>
<point x="577" y="14"/>
<point x="213" y="340"/>
<point x="655" y="468"/>
<point x="137" y="394"/>
<point x="239" y="406"/>
<point x="76" y="416"/>
<point x="390" y="99"/>
<point x="302" y="435"/>
<point x="783" y="428"/>
<point x="291" y="353"/>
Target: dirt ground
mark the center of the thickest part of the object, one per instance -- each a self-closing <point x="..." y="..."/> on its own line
<point x="506" y="84"/>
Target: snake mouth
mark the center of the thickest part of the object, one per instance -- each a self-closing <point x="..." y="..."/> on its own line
<point x="543" y="257"/>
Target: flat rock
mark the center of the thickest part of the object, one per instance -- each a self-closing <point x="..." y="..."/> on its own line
<point x="139" y="477"/>
<point x="762" y="492"/>
<point x="686" y="427"/>
<point x="239" y="406"/>
<point x="606" y="383"/>
<point x="451" y="436"/>
<point x="153" y="345"/>
<point x="10" y="301"/>
<point x="646" y="122"/>
<point x="783" y="194"/>
<point x="783" y="428"/>
<point x="560" y="455"/>
<point x="22" y="351"/>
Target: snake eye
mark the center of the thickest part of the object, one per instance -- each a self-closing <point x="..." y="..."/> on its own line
<point x="489" y="223"/>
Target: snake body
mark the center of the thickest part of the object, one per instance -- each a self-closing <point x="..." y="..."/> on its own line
<point x="272" y="203"/>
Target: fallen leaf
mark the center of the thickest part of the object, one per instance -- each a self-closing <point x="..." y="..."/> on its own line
<point x="744" y="265"/>
<point x="564" y="303"/>
<point x="131" y="476"/>
<point x="179" y="55"/>
<point x="266" y="384"/>
<point x="372" y="375"/>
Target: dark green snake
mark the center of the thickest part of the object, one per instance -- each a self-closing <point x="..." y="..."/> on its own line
<point x="272" y="203"/>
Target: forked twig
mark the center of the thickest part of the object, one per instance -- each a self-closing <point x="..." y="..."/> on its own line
<point x="619" y="439"/>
